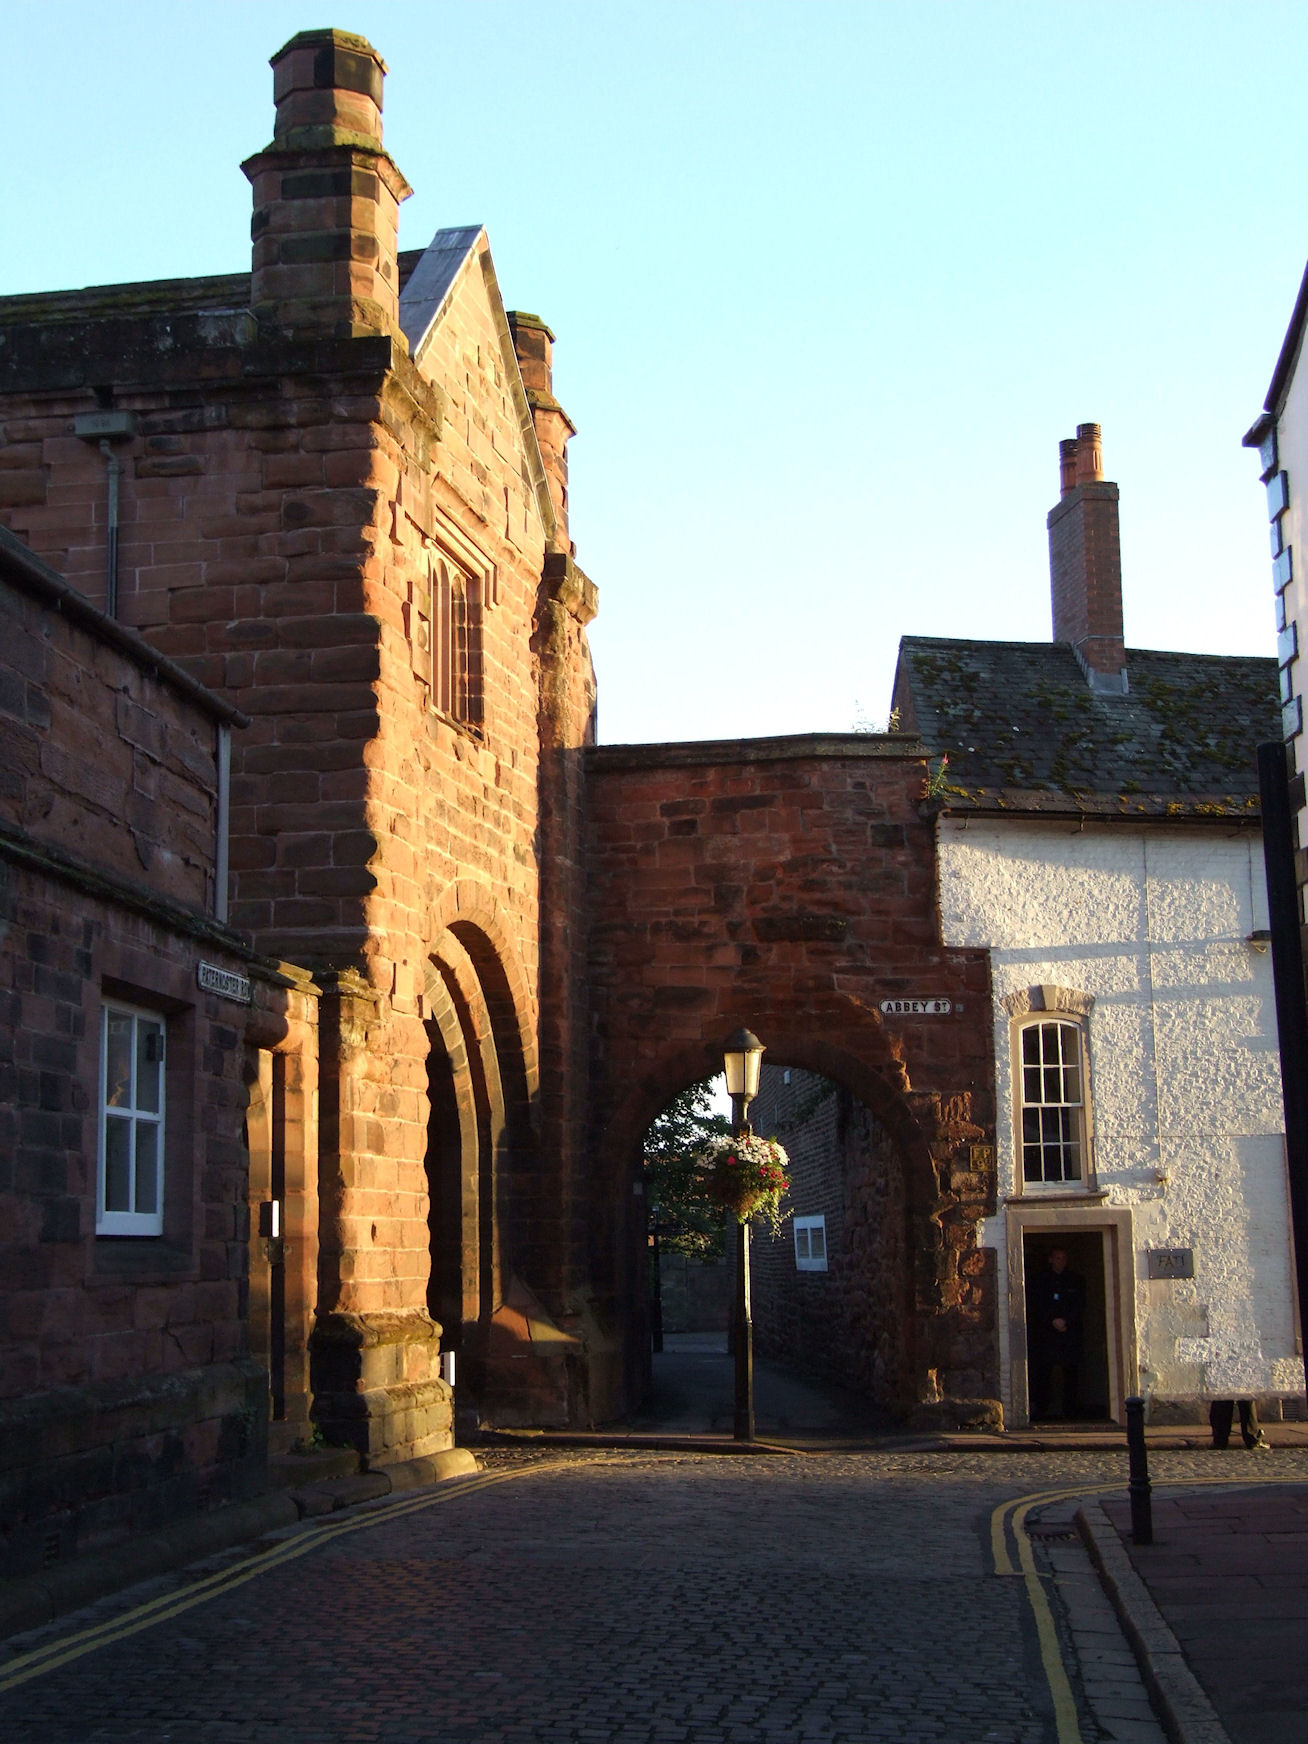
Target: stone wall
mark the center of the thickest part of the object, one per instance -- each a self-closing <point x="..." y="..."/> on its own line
<point x="845" y="1323"/>
<point x="105" y="759"/>
<point x="1148" y="934"/>
<point x="127" y="1390"/>
<point x="789" y="885"/>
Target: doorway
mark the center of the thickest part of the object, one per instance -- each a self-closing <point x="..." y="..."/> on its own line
<point x="451" y="1292"/>
<point x="1051" y="1378"/>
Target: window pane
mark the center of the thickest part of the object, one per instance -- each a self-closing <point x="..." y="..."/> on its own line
<point x="117" y="1163"/>
<point x="149" y="1063"/>
<point x="801" y="1244"/>
<point x="1071" y="1146"/>
<point x="118" y="1059"/>
<point x="147" y="1166"/>
<point x="1052" y="1099"/>
<point x="818" y="1243"/>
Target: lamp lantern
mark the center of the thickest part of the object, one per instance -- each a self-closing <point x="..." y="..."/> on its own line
<point x="742" y="1055"/>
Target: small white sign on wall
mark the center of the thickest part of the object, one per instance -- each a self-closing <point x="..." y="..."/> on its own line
<point x="917" y="1007"/>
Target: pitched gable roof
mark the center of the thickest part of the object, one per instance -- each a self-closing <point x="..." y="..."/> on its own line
<point x="429" y="280"/>
<point x="1286" y="362"/>
<point x="427" y="284"/>
<point x="1024" y="732"/>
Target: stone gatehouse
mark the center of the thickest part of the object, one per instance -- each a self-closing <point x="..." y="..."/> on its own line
<point x="332" y="491"/>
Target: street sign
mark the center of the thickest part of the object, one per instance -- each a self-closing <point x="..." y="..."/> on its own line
<point x="224" y="983"/>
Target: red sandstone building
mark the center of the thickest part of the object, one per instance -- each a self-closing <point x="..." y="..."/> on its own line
<point x="332" y="492"/>
<point x="134" y="1368"/>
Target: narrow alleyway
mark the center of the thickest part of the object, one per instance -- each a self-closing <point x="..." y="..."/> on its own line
<point x="693" y="1394"/>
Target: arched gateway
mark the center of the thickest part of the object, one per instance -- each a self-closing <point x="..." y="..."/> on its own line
<point x="788" y="884"/>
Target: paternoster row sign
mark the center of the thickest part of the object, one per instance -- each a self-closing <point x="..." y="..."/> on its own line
<point x="917" y="1007"/>
<point x="224" y="983"/>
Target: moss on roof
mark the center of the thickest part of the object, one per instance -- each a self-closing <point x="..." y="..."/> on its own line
<point x="1023" y="730"/>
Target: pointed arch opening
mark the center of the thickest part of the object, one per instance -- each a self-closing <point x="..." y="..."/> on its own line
<point x="480" y="1150"/>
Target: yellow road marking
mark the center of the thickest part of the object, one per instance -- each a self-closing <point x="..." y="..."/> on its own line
<point x="56" y="1653"/>
<point x="1011" y="1515"/>
<point x="1051" y="1651"/>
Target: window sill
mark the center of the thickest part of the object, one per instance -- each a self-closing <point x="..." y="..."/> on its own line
<point x="474" y="730"/>
<point x="1059" y="1196"/>
<point x="140" y="1257"/>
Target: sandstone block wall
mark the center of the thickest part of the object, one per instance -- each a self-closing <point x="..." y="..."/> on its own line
<point x="127" y="1391"/>
<point x="844" y="1324"/>
<point x="789" y="885"/>
<point x="104" y="760"/>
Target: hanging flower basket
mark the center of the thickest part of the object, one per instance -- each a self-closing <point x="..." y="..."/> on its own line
<point x="747" y="1177"/>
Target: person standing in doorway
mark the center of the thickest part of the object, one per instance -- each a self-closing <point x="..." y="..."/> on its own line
<point x="1055" y="1333"/>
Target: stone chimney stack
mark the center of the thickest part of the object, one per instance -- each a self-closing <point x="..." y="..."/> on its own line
<point x="326" y="195"/>
<point x="534" y="344"/>
<point x="1085" y="563"/>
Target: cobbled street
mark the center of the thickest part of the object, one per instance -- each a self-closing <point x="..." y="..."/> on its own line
<point x="652" y="1599"/>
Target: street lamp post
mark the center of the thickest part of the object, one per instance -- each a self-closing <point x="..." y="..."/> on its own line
<point x="742" y="1056"/>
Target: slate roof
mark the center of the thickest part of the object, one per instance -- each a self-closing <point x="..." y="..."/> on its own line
<point x="428" y="282"/>
<point x="1024" y="732"/>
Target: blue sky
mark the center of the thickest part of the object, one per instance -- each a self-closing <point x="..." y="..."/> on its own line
<point x="829" y="282"/>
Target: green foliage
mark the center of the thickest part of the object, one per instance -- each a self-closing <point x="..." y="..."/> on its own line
<point x="689" y="1221"/>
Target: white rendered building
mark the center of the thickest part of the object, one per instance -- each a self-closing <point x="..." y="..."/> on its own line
<point x="1098" y="834"/>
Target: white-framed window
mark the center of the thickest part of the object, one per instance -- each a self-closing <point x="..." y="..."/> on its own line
<point x="810" y="1244"/>
<point x="129" y="1186"/>
<point x="1052" y="1103"/>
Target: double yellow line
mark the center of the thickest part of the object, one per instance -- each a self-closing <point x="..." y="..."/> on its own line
<point x="25" y="1666"/>
<point x="1009" y="1520"/>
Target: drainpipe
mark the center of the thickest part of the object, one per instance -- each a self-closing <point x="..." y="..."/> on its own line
<point x="106" y="428"/>
<point x="114" y="471"/>
<point x="223" y="818"/>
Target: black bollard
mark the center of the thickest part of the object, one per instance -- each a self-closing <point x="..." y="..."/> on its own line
<point x="1142" y="1507"/>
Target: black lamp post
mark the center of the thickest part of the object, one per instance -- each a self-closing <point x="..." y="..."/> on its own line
<point x="742" y="1057"/>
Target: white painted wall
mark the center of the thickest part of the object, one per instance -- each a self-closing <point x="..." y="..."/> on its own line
<point x="1184" y="1070"/>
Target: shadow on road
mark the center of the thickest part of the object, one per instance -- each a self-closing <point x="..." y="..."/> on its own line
<point x="693" y="1394"/>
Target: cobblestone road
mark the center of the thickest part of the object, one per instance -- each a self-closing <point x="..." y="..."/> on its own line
<point x="648" y="1599"/>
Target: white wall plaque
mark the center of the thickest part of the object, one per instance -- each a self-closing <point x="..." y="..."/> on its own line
<point x="917" y="1007"/>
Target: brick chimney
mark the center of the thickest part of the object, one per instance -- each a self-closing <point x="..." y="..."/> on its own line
<point x="1085" y="563"/>
<point x="534" y="344"/>
<point x="326" y="195"/>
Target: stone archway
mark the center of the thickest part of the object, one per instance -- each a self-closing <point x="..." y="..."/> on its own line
<point x="789" y="885"/>
<point x="947" y="1181"/>
<point x="490" y="1268"/>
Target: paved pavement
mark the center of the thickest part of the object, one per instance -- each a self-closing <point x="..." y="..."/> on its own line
<point x="848" y="1598"/>
<point x="1228" y="1570"/>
